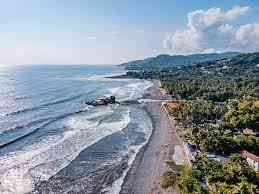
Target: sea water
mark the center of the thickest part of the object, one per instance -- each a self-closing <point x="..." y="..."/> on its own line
<point x="51" y="142"/>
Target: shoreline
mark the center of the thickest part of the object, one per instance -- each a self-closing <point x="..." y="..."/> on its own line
<point x="144" y="174"/>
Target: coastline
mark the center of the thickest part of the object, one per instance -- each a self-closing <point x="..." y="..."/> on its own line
<point x="149" y="164"/>
<point x="142" y="175"/>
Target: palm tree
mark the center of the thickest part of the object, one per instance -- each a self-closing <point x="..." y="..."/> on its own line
<point x="245" y="187"/>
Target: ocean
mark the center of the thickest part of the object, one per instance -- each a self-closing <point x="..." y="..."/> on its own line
<point x="52" y="142"/>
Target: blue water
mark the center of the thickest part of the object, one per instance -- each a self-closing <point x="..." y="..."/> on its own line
<point x="45" y="124"/>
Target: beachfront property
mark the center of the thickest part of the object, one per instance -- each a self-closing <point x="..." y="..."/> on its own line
<point x="173" y="104"/>
<point x="252" y="159"/>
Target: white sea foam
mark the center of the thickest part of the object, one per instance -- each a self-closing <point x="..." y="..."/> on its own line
<point x="144" y="125"/>
<point x="115" y="188"/>
<point x="104" y="77"/>
<point x="148" y="100"/>
<point x="46" y="157"/>
<point x="131" y="91"/>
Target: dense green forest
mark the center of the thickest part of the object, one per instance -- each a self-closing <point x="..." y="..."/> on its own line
<point x="217" y="101"/>
<point x="235" y="176"/>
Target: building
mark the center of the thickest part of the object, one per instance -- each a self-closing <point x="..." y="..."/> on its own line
<point x="248" y="131"/>
<point x="174" y="104"/>
<point x="252" y="159"/>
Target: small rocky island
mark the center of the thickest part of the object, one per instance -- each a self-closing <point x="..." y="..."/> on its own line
<point x="102" y="101"/>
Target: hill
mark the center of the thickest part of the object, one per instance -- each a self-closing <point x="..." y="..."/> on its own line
<point x="163" y="61"/>
<point x="215" y="80"/>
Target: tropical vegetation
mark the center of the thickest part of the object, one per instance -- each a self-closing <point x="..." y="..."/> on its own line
<point x="216" y="101"/>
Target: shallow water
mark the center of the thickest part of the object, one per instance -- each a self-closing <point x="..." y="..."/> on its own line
<point x="44" y="126"/>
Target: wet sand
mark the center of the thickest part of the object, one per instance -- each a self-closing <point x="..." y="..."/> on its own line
<point x="149" y="165"/>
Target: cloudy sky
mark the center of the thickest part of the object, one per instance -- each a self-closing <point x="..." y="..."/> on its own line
<point x="115" y="31"/>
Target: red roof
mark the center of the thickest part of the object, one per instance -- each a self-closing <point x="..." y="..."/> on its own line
<point x="173" y="104"/>
<point x="250" y="155"/>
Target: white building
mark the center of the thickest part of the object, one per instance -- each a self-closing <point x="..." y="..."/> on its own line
<point x="252" y="159"/>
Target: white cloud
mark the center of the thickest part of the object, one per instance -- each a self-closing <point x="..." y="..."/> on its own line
<point x="214" y="16"/>
<point x="247" y="37"/>
<point x="209" y="50"/>
<point x="237" y="11"/>
<point x="211" y="31"/>
<point x="167" y="42"/>
<point x="226" y="28"/>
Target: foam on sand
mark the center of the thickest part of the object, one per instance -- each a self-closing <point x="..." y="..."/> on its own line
<point x="144" y="125"/>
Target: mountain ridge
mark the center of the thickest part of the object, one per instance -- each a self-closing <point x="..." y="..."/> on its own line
<point x="165" y="60"/>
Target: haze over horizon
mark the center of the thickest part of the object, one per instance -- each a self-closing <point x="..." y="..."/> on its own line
<point x="112" y="32"/>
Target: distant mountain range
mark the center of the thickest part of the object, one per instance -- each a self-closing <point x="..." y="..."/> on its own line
<point x="246" y="58"/>
<point x="162" y="61"/>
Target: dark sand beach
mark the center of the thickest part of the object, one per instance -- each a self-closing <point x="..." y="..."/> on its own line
<point x="149" y="165"/>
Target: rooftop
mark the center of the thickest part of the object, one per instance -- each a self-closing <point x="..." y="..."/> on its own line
<point x="173" y="104"/>
<point x="250" y="155"/>
<point x="248" y="131"/>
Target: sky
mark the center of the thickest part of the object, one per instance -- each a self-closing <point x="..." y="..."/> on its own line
<point x="116" y="31"/>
